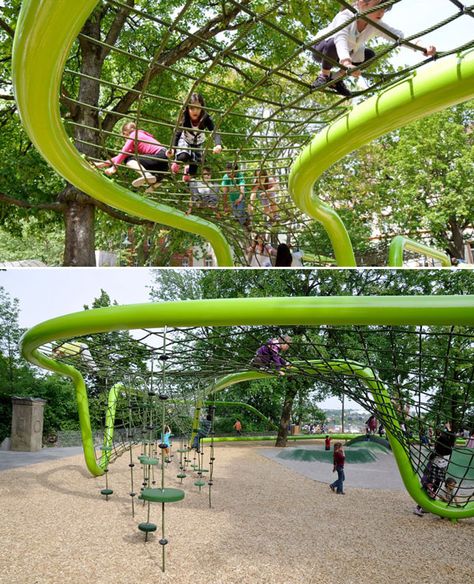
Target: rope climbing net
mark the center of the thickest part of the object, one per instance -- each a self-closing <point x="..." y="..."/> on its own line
<point x="413" y="378"/>
<point x="151" y="62"/>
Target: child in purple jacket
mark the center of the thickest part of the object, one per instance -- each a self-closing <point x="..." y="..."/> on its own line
<point x="268" y="355"/>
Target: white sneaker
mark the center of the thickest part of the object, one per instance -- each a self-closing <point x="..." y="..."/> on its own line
<point x="418" y="512"/>
<point x="148" y="179"/>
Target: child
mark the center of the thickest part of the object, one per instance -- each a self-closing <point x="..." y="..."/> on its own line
<point x="269" y="353"/>
<point x="327" y="443"/>
<point x="347" y="45"/>
<point x="76" y="349"/>
<point x="427" y="483"/>
<point x="166" y="441"/>
<point x="153" y="157"/>
<point x="203" y="193"/>
<point x="372" y="424"/>
<point x="447" y="494"/>
<point x="339" y="458"/>
<point x="259" y="253"/>
<point x="204" y="430"/>
<point x="284" y="258"/>
<point x="470" y="442"/>
<point x="190" y="138"/>
<point x="233" y="184"/>
<point x="267" y="188"/>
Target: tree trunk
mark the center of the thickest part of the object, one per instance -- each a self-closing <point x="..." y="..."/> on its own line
<point x="282" y="437"/>
<point x="79" y="216"/>
<point x="457" y="245"/>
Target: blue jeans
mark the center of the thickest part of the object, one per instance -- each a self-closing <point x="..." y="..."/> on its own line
<point x="338" y="484"/>
<point x="239" y="212"/>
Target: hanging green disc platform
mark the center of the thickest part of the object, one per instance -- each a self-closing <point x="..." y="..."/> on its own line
<point x="162" y="495"/>
<point x="148" y="460"/>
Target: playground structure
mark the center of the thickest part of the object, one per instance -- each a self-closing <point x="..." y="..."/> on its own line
<point x="274" y="132"/>
<point x="408" y="360"/>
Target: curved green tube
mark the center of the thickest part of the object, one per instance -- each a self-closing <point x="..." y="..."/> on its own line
<point x="109" y="424"/>
<point x="44" y="35"/>
<point x="446" y="83"/>
<point x="386" y="413"/>
<point x="400" y="244"/>
<point x="347" y="310"/>
<point x="244" y="406"/>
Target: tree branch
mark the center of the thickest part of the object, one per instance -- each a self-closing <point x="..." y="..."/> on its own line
<point x="7" y="28"/>
<point x="121" y="216"/>
<point x="115" y="29"/>
<point x="56" y="207"/>
<point x="211" y="29"/>
<point x="61" y="207"/>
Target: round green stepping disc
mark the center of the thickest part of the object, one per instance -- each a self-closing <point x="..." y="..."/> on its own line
<point x="148" y="460"/>
<point x="182" y="450"/>
<point x="147" y="527"/>
<point x="162" y="495"/>
<point x="106" y="492"/>
<point x="106" y="448"/>
<point x="181" y="476"/>
<point x="199" y="483"/>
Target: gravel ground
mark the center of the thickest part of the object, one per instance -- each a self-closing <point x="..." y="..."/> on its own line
<point x="268" y="524"/>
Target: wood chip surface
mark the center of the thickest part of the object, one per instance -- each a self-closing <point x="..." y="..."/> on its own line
<point x="268" y="525"/>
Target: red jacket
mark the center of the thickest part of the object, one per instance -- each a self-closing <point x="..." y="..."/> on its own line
<point x="339" y="458"/>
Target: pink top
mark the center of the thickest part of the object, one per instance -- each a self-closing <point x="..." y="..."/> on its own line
<point x="146" y="144"/>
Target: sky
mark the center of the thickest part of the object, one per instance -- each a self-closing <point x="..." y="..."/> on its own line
<point x="47" y="293"/>
<point x="411" y="16"/>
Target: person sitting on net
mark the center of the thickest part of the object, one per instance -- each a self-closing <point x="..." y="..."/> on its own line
<point x="204" y="430"/>
<point x="347" y="45"/>
<point x="204" y="193"/>
<point x="152" y="156"/>
<point x="188" y="141"/>
<point x="268" y="355"/>
<point x="259" y="253"/>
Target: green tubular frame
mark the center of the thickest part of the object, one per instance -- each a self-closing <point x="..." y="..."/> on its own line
<point x="386" y="413"/>
<point x="45" y="32"/>
<point x="400" y="244"/>
<point x="244" y="406"/>
<point x="109" y="424"/>
<point x="359" y="310"/>
<point x="426" y="91"/>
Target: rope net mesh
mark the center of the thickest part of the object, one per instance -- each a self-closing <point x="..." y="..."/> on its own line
<point x="425" y="373"/>
<point x="264" y="113"/>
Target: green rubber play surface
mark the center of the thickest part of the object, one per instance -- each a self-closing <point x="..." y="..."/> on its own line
<point x="359" y="453"/>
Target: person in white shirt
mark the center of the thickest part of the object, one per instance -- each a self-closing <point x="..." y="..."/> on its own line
<point x="347" y="45"/>
<point x="260" y="253"/>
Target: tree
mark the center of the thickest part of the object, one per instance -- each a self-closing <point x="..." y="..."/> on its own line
<point x="10" y="333"/>
<point x="166" y="72"/>
<point x="394" y="356"/>
<point x="430" y="164"/>
<point x="114" y="354"/>
<point x="18" y="378"/>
